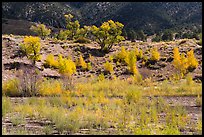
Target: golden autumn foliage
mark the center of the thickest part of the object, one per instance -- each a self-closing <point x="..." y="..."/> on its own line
<point x="122" y="54"/>
<point x="131" y="62"/>
<point x="182" y="63"/>
<point x="108" y="67"/>
<point x="192" y="61"/>
<point x="155" y="55"/>
<point x="138" y="53"/>
<point x="66" y="66"/>
<point x="10" y="87"/>
<point x="31" y="47"/>
<point x="51" y="62"/>
<point x="177" y="58"/>
<point x="50" y="88"/>
<point x="81" y="63"/>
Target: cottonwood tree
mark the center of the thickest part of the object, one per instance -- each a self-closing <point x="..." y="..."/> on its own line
<point x="31" y="48"/>
<point x="108" y="34"/>
<point x="72" y="26"/>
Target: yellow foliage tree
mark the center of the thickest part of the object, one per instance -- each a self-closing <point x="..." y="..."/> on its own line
<point x="155" y="55"/>
<point x="177" y="58"/>
<point x="192" y="61"/>
<point x="184" y="64"/>
<point x="31" y="47"/>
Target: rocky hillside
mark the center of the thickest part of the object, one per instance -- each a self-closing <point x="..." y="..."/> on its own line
<point x="148" y="16"/>
<point x="163" y="69"/>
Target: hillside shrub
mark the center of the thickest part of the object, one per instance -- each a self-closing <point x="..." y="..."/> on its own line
<point x="31" y="47"/>
<point x="81" y="63"/>
<point x="177" y="58"/>
<point x="184" y="64"/>
<point x="51" y="62"/>
<point x="155" y="55"/>
<point x="101" y="77"/>
<point x="66" y="66"/>
<point x="62" y="35"/>
<point x="121" y="55"/>
<point x="138" y="53"/>
<point x="192" y="61"/>
<point x="108" y="67"/>
<point x="11" y="87"/>
<point x="41" y="30"/>
<point x="131" y="62"/>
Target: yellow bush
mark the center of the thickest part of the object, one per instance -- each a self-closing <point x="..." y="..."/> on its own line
<point x="81" y="63"/>
<point x="11" y="87"/>
<point x="177" y="58"/>
<point x="50" y="88"/>
<point x="31" y="47"/>
<point x="155" y="55"/>
<point x="131" y="62"/>
<point x="184" y="64"/>
<point x="138" y="53"/>
<point x="89" y="67"/>
<point x="192" y="62"/>
<point x="101" y="77"/>
<point x="66" y="66"/>
<point x="122" y="54"/>
<point x="108" y="67"/>
<point x="51" y="62"/>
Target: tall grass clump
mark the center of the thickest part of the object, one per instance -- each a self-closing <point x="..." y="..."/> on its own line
<point x="11" y="87"/>
<point x="6" y="106"/>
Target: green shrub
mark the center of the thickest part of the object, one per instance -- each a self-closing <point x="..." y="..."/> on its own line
<point x="41" y="30"/>
<point x="6" y="106"/>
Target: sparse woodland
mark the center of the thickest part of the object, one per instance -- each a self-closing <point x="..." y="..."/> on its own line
<point x="92" y="80"/>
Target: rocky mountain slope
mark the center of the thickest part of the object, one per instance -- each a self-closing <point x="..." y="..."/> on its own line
<point x="161" y="70"/>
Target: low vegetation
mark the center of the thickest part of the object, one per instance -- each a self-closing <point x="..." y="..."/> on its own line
<point x="102" y="102"/>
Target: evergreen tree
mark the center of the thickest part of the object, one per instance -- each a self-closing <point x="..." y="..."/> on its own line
<point x="141" y="36"/>
<point x="167" y="36"/>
